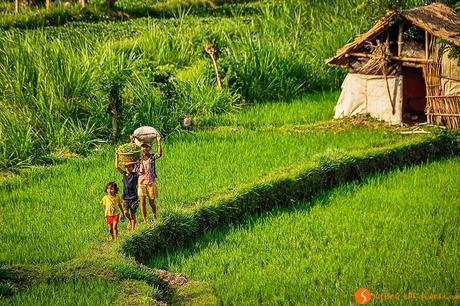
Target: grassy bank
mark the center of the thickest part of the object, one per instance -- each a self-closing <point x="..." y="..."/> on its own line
<point x="393" y="233"/>
<point x="77" y="292"/>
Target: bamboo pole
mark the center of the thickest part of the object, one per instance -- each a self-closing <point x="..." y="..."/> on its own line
<point x="16" y="6"/>
<point x="445" y="115"/>
<point x="213" y="54"/>
<point x="400" y="38"/>
<point x="443" y="97"/>
<point x="426" y="45"/>
<point x="47" y="4"/>
<point x="395" y="58"/>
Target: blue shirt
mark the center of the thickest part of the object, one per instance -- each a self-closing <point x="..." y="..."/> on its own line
<point x="130" y="186"/>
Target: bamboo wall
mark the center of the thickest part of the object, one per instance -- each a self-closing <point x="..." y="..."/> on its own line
<point x="441" y="108"/>
<point x="444" y="110"/>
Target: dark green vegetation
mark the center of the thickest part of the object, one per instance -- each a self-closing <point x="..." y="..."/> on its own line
<point x="58" y="85"/>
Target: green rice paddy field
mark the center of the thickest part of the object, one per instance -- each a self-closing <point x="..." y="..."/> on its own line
<point x="67" y="197"/>
<point x="393" y="234"/>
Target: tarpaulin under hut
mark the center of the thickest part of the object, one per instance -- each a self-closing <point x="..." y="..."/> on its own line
<point x="405" y="68"/>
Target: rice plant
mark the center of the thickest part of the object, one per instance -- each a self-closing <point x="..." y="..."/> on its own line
<point x="75" y="292"/>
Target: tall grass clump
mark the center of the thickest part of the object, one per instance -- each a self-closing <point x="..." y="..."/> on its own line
<point x="19" y="142"/>
<point x="69" y="84"/>
<point x="45" y="85"/>
<point x="280" y="53"/>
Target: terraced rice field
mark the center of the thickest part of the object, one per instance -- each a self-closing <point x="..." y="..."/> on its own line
<point x="393" y="234"/>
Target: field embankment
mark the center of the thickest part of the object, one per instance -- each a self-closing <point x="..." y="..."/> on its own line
<point x="393" y="233"/>
<point x="302" y="181"/>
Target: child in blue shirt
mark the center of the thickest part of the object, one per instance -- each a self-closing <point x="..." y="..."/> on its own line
<point x="129" y="196"/>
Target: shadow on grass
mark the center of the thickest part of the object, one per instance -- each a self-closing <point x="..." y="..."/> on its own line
<point x="202" y="9"/>
<point x="183" y="229"/>
<point x="165" y="259"/>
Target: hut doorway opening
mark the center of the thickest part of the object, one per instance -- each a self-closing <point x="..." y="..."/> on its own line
<point x="414" y="95"/>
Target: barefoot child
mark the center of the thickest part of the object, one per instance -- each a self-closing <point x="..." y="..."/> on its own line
<point x="129" y="197"/>
<point x="112" y="207"/>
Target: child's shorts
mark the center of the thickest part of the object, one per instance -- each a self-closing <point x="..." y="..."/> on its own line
<point x="111" y="219"/>
<point x="130" y="205"/>
<point x="150" y="190"/>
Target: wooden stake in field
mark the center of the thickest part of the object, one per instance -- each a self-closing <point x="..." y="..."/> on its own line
<point x="113" y="111"/>
<point x="213" y="54"/>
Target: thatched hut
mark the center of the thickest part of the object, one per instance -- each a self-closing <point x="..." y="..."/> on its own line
<point x="402" y="70"/>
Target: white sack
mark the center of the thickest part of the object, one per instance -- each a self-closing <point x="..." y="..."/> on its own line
<point x="145" y="134"/>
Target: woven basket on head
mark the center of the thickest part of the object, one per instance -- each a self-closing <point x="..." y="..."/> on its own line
<point x="129" y="158"/>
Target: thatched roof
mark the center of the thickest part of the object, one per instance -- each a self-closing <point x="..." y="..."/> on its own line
<point x="437" y="19"/>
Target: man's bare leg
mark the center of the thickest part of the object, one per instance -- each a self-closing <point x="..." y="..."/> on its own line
<point x="143" y="211"/>
<point x="154" y="210"/>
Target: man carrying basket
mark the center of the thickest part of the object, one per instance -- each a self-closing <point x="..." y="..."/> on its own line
<point x="147" y="186"/>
